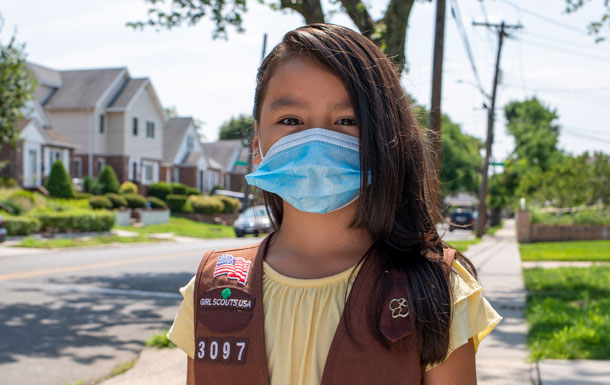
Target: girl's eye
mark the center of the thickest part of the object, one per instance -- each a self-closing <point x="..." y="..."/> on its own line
<point x="348" y="122"/>
<point x="291" y="121"/>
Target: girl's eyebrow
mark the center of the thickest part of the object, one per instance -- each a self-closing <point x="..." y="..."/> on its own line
<point x="287" y="101"/>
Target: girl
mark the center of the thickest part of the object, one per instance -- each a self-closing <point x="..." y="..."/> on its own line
<point x="343" y="168"/>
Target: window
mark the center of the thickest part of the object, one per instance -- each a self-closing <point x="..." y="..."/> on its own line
<point x="150" y="129"/>
<point x="134" y="127"/>
<point x="148" y="173"/>
<point x="78" y="168"/>
<point x="134" y="169"/>
<point x="189" y="142"/>
<point x="101" y="123"/>
<point x="100" y="164"/>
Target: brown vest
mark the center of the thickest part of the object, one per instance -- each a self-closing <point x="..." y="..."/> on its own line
<point x="229" y="326"/>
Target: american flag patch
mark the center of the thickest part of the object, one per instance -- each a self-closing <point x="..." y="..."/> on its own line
<point x="234" y="268"/>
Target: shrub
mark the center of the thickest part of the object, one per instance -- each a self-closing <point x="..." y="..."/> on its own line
<point x="116" y="200"/>
<point x="78" y="219"/>
<point x="22" y="225"/>
<point x="91" y="186"/>
<point x="82" y="195"/>
<point x="128" y="188"/>
<point x="157" y="203"/>
<point x="178" y="188"/>
<point x="192" y="191"/>
<point x="100" y="202"/>
<point x="206" y="204"/>
<point x="15" y="209"/>
<point x="7" y="182"/>
<point x="108" y="180"/>
<point x="135" y="201"/>
<point x="175" y="202"/>
<point x="59" y="183"/>
<point x="216" y="187"/>
<point x="231" y="205"/>
<point x="159" y="190"/>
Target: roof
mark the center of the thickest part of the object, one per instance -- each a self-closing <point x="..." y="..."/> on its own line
<point x="52" y="137"/>
<point x="173" y="134"/>
<point x="223" y="153"/>
<point x="83" y="88"/>
<point x="192" y="158"/>
<point x="45" y="75"/>
<point x="128" y="91"/>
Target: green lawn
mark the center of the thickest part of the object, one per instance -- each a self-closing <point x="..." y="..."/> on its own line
<point x="598" y="250"/>
<point x="73" y="242"/>
<point x="461" y="246"/>
<point x="568" y="311"/>
<point x="185" y="227"/>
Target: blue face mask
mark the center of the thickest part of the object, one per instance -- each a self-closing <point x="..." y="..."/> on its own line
<point x="315" y="170"/>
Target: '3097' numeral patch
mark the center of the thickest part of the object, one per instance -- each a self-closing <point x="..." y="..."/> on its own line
<point x="224" y="350"/>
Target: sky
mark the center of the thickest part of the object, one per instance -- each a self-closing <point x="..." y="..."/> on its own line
<point x="551" y="57"/>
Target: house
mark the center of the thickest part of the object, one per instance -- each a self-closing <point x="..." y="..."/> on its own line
<point x="183" y="155"/>
<point x="41" y="146"/>
<point x="110" y="118"/>
<point x="227" y="164"/>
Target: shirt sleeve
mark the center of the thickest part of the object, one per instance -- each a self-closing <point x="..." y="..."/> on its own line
<point x="473" y="316"/>
<point x="182" y="330"/>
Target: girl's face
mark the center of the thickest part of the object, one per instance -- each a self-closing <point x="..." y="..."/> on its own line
<point x="302" y="94"/>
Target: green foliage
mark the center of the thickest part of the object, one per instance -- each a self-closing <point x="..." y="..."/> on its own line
<point x="192" y="191"/>
<point x="160" y="340"/>
<point x="91" y="186"/>
<point x="135" y="201"/>
<point x="231" y="205"/>
<point x="214" y="188"/>
<point x="22" y="201"/>
<point x="100" y="202"/>
<point x="128" y="188"/>
<point x="7" y="181"/>
<point x="108" y="180"/>
<point x="117" y="200"/>
<point x="207" y="204"/>
<point x="568" y="312"/>
<point x="20" y="225"/>
<point x="178" y="188"/>
<point x="159" y="190"/>
<point x="157" y="203"/>
<point x="590" y="250"/>
<point x="185" y="227"/>
<point x="17" y="86"/>
<point x="580" y="217"/>
<point x="175" y="202"/>
<point x="75" y="220"/>
<point x="59" y="183"/>
<point x="82" y="195"/>
<point x="237" y="128"/>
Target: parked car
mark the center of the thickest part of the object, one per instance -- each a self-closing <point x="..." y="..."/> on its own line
<point x="253" y="220"/>
<point x="461" y="218"/>
<point x="2" y="230"/>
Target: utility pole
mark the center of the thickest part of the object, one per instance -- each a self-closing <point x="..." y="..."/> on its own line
<point x="434" y="134"/>
<point x="244" y="139"/>
<point x="482" y="216"/>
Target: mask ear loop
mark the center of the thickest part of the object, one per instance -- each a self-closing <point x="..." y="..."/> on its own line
<point x="260" y="150"/>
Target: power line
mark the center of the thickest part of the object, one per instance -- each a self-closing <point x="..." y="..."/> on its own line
<point x="455" y="12"/>
<point x="565" y="50"/>
<point x="547" y="19"/>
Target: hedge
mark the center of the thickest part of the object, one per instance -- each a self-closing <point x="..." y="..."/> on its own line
<point x="100" y="202"/>
<point x="128" y="188"/>
<point x="192" y="191"/>
<point x="178" y="188"/>
<point x="83" y="195"/>
<point x="157" y="203"/>
<point x="108" y="181"/>
<point x="22" y="225"/>
<point x="135" y="201"/>
<point x="231" y="205"/>
<point x="79" y="220"/>
<point x="116" y="200"/>
<point x="175" y="202"/>
<point x="206" y="204"/>
<point x="159" y="190"/>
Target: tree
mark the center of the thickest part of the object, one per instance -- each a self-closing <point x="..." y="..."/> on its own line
<point x="461" y="160"/>
<point x="171" y="111"/>
<point x="108" y="180"/>
<point x="16" y="87"/>
<point x="237" y="128"/>
<point x="594" y="27"/>
<point x="59" y="184"/>
<point x="388" y="32"/>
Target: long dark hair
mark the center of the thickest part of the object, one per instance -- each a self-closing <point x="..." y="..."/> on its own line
<point x="403" y="193"/>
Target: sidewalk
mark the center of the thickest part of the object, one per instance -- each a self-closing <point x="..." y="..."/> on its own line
<point x="501" y="357"/>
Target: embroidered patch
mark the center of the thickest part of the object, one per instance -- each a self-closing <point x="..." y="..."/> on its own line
<point x="223" y="350"/>
<point x="225" y="309"/>
<point x="234" y="267"/>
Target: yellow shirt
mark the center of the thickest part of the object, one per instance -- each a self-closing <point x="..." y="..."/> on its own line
<point x="301" y="316"/>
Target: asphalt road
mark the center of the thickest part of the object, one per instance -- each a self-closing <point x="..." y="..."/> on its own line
<point x="74" y="314"/>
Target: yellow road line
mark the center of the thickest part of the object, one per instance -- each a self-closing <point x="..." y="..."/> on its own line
<point x="37" y="273"/>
